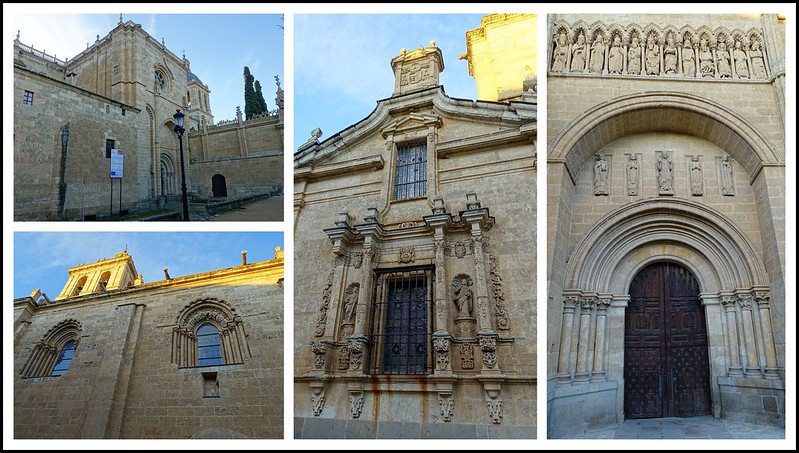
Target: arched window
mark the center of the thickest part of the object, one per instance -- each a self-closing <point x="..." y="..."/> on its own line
<point x="209" y="332"/>
<point x="159" y="80"/>
<point x="104" y="280"/>
<point x="209" y="348"/>
<point x="64" y="359"/>
<point x="52" y="355"/>
<point x="79" y="286"/>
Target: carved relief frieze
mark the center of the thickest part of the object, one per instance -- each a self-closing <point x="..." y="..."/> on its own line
<point x="407" y="255"/>
<point x="326" y="293"/>
<point x="500" y="313"/>
<point x="467" y="356"/>
<point x="356" y="404"/>
<point x="441" y="346"/>
<point x="445" y="405"/>
<point x="665" y="50"/>
<point x="319" y="350"/>
<point x="494" y="409"/>
<point x="317" y="400"/>
<point x="488" y="345"/>
<point x="344" y="358"/>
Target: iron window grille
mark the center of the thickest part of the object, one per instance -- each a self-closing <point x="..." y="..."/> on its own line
<point x="401" y="326"/>
<point x="411" y="179"/>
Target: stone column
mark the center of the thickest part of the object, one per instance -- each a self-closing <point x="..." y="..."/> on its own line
<point x="582" y="373"/>
<point x="752" y="368"/>
<point x="735" y="355"/>
<point x="599" y="341"/>
<point x="567" y="324"/>
<point x="762" y="299"/>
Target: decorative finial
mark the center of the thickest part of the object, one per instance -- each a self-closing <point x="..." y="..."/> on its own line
<point x="277" y="80"/>
<point x="120" y="18"/>
<point x="184" y="54"/>
<point x="166" y="273"/>
<point x="432" y="43"/>
<point x="17" y="35"/>
<point x="162" y="41"/>
<point x="98" y="37"/>
<point x="243" y="257"/>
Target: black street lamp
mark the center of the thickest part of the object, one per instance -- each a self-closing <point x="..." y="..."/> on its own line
<point x="179" y="130"/>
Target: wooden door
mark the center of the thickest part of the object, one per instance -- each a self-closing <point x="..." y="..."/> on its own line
<point x="666" y="368"/>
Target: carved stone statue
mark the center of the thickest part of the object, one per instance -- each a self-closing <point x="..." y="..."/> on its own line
<point x="601" y="175"/>
<point x="652" y="57"/>
<point x="561" y="54"/>
<point x="670" y="55"/>
<point x="696" y="176"/>
<point x="706" y="66"/>
<point x="578" y="54"/>
<point x="597" y="55"/>
<point x="688" y="59"/>
<point x="616" y="57"/>
<point x="723" y="61"/>
<point x="665" y="179"/>
<point x="632" y="175"/>
<point x="756" y="55"/>
<point x="634" y="57"/>
<point x="350" y="301"/>
<point x="463" y="299"/>
<point x="727" y="187"/>
<point x="741" y="61"/>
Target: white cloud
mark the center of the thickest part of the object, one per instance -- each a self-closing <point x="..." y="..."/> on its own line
<point x="60" y="35"/>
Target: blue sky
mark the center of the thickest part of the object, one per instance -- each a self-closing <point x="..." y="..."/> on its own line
<point x="217" y="45"/>
<point x="41" y="259"/>
<point x="342" y="63"/>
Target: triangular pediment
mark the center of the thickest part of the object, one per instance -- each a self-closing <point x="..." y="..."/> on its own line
<point x="411" y="122"/>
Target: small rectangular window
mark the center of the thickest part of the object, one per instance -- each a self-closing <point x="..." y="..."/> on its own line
<point x="411" y="171"/>
<point x="27" y="98"/>
<point x="109" y="145"/>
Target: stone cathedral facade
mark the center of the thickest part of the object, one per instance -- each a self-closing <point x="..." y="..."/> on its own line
<point x="415" y="268"/>
<point x="666" y="210"/>
<point x="121" y="93"/>
<point x="112" y="357"/>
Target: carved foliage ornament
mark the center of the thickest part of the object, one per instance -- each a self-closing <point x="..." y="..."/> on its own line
<point x="441" y="346"/>
<point x="322" y="320"/>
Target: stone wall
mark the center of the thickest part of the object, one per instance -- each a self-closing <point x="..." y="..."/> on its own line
<point x="122" y="382"/>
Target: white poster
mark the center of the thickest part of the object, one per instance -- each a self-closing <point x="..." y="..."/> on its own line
<point x="116" y="163"/>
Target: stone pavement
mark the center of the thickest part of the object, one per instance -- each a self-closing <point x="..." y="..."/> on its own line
<point x="703" y="427"/>
<point x="264" y="210"/>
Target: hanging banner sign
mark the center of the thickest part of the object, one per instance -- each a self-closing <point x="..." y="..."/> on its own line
<point x="116" y="163"/>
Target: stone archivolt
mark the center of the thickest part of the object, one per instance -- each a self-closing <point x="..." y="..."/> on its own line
<point x="657" y="51"/>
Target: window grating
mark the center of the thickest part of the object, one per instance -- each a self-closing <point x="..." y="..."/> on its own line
<point x="400" y="323"/>
<point x="411" y="171"/>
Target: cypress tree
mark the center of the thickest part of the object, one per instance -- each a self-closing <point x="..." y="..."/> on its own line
<point x="250" y="101"/>
<point x="259" y="95"/>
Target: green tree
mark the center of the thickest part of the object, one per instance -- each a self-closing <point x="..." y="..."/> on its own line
<point x="251" y="105"/>
<point x="259" y="95"/>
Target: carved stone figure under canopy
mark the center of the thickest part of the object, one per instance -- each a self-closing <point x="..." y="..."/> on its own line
<point x="652" y="57"/>
<point x="578" y="54"/>
<point x="723" y="61"/>
<point x="561" y="54"/>
<point x="632" y="175"/>
<point x="688" y="61"/>
<point x="634" y="57"/>
<point x="597" y="55"/>
<point x="350" y="301"/>
<point x="616" y="57"/>
<point x="726" y="177"/>
<point x="741" y="62"/>
<point x="696" y="176"/>
<point x="706" y="66"/>
<point x="670" y="55"/>
<point x="758" y="64"/>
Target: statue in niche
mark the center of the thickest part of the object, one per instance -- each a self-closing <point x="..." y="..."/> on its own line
<point x="597" y="55"/>
<point x="601" y="175"/>
<point x="632" y="175"/>
<point x="652" y="57"/>
<point x="665" y="172"/>
<point x="634" y="57"/>
<point x="726" y="177"/>
<point x="350" y="302"/>
<point x="756" y="55"/>
<point x="723" y="61"/>
<point x="688" y="62"/>
<point x="463" y="298"/>
<point x="578" y="54"/>
<point x="741" y="62"/>
<point x="670" y="55"/>
<point x="696" y="176"/>
<point x="561" y="52"/>
<point x="616" y="57"/>
<point x="706" y="67"/>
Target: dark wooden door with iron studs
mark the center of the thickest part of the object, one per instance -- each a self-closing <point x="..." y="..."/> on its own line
<point x="666" y="368"/>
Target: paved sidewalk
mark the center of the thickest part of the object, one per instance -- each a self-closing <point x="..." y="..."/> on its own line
<point x="704" y="427"/>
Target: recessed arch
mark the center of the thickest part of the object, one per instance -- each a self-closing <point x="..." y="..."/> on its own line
<point x="720" y="253"/>
<point x="662" y="112"/>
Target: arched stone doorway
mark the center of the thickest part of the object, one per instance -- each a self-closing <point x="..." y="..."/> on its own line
<point x="666" y="367"/>
<point x="168" y="184"/>
<point x="218" y="185"/>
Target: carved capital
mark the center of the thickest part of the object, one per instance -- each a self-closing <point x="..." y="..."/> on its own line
<point x="319" y="350"/>
<point x="728" y="302"/>
<point x="762" y="298"/>
<point x="356" y="348"/>
<point x="441" y="346"/>
<point x="569" y="303"/>
<point x="488" y="344"/>
<point x="745" y="300"/>
<point x="586" y="304"/>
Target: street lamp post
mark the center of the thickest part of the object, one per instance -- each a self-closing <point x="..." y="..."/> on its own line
<point x="178" y="116"/>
